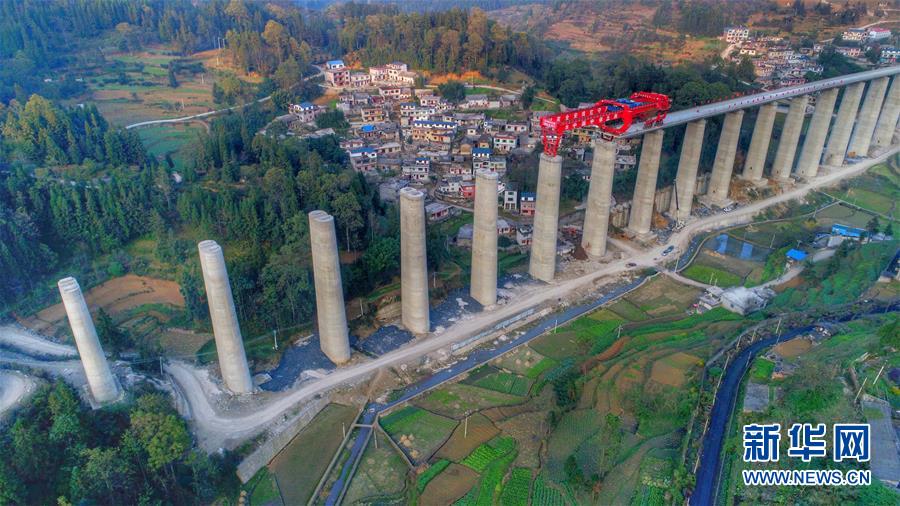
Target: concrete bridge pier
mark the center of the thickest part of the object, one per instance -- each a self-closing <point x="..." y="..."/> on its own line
<point x="645" y="187"/>
<point x="811" y="153"/>
<point x="542" y="263"/>
<point x="334" y="336"/>
<point x="686" y="178"/>
<point x="755" y="162"/>
<point x="861" y="139"/>
<point x="887" y="121"/>
<point x="836" y="148"/>
<point x="720" y="179"/>
<point x="483" y="287"/>
<point x="101" y="382"/>
<point x="226" y="329"/>
<point x="596" y="216"/>
<point x="790" y="136"/>
<point x="413" y="262"/>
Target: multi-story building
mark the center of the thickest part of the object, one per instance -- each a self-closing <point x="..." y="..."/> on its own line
<point x="440" y="132"/>
<point x="510" y="199"/>
<point x="305" y="112"/>
<point x="360" y="80"/>
<point x="373" y="114"/>
<point x="854" y="35"/>
<point x="735" y="34"/>
<point x="889" y="55"/>
<point x="337" y="74"/>
<point x="363" y="159"/>
<point x="877" y="33"/>
<point x="850" y="52"/>
<point x="419" y="170"/>
<point x="396" y="93"/>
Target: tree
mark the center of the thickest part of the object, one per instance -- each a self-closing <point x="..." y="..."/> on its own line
<point x="453" y="91"/>
<point x="109" y="333"/>
<point x="332" y="119"/>
<point x="288" y="74"/>
<point x="173" y="82"/>
<point x="528" y="97"/>
<point x="873" y="225"/>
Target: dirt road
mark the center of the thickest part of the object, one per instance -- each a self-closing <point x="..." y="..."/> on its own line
<point x="14" y="387"/>
<point x="215" y="429"/>
<point x="21" y="339"/>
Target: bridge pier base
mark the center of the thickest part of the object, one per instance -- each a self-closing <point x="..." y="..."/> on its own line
<point x="596" y="216"/>
<point x="868" y="116"/>
<point x="790" y="136"/>
<point x="641" y="217"/>
<point x="811" y="153"/>
<point x="887" y="122"/>
<point x="836" y="148"/>
<point x="723" y="167"/>
<point x="542" y="261"/>
<point x="686" y="178"/>
<point x="755" y="162"/>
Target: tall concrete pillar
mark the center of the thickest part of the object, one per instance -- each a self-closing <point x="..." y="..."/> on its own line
<point x="227" y="330"/>
<point x="334" y="338"/>
<point x="811" y="153"/>
<point x="645" y="187"/>
<point x="843" y="125"/>
<point x="723" y="166"/>
<point x="755" y="162"/>
<point x="887" y="121"/>
<point x="542" y="264"/>
<point x="413" y="262"/>
<point x="686" y="178"/>
<point x="99" y="377"/>
<point x="484" y="239"/>
<point x="596" y="216"/>
<point x="790" y="136"/>
<point x="868" y="116"/>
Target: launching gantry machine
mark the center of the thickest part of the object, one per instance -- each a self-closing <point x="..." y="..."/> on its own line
<point x="612" y="117"/>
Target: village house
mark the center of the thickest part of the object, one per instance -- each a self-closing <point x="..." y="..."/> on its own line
<point x="363" y="159"/>
<point x="504" y="143"/>
<point x="877" y="33"/>
<point x="304" y="112"/>
<point x="450" y="186"/>
<point x="510" y="198"/>
<point x="388" y="148"/>
<point x="523" y="235"/>
<point x="467" y="190"/>
<point x="516" y="127"/>
<point x="418" y="170"/>
<point x="436" y="211"/>
<point x="854" y="35"/>
<point x="461" y="170"/>
<point x="337" y="74"/>
<point x="527" y="203"/>
<point x="360" y="80"/>
<point x="396" y="93"/>
<point x="475" y="102"/>
<point x="503" y="227"/>
<point x="373" y="114"/>
<point x="352" y="143"/>
<point x="439" y="132"/>
<point x="735" y="34"/>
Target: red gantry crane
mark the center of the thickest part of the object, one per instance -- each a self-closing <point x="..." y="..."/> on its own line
<point x="613" y="117"/>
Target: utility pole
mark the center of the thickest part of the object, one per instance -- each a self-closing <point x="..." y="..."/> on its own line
<point x="275" y="337"/>
<point x="466" y="428"/>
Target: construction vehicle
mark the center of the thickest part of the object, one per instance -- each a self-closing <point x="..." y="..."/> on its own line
<point x="612" y="117"/>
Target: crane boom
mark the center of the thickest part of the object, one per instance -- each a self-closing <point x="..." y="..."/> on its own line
<point x="613" y="117"/>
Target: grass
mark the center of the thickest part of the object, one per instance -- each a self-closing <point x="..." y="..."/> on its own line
<point x="491" y="379"/>
<point x="263" y="488"/>
<point x="539" y="368"/>
<point x="419" y="431"/>
<point x="762" y="369"/>
<point x="711" y="275"/>
<point x="303" y="461"/>
<point x="546" y="494"/>
<point x="381" y="475"/>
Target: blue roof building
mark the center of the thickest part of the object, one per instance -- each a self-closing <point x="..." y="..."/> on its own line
<point x="847" y="231"/>
<point x="796" y="255"/>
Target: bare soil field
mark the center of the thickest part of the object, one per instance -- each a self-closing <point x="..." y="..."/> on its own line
<point x="116" y="296"/>
<point x="448" y="486"/>
<point x="464" y="440"/>
<point x="793" y="348"/>
<point x="673" y="369"/>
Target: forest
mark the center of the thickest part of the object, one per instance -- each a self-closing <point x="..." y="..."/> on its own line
<point x="57" y="451"/>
